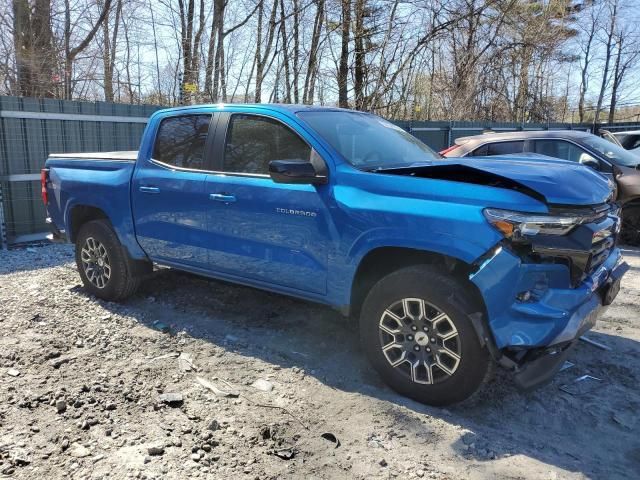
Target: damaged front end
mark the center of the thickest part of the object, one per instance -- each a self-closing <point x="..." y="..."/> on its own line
<point x="546" y="284"/>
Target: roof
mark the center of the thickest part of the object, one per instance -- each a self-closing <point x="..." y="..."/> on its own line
<point x="628" y="132"/>
<point x="523" y="134"/>
<point x="283" y="107"/>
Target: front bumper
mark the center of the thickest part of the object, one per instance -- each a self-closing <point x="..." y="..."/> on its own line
<point x="553" y="313"/>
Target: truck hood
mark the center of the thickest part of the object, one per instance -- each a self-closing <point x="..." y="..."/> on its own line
<point x="556" y="182"/>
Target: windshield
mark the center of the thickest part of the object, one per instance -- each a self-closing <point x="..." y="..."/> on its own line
<point x="612" y="152"/>
<point x="368" y="142"/>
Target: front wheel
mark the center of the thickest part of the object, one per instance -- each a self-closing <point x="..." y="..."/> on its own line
<point x="420" y="339"/>
<point x="102" y="262"/>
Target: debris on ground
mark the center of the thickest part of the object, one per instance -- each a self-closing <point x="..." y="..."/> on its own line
<point x="98" y="380"/>
<point x="218" y="391"/>
<point x="566" y="366"/>
<point x="582" y="385"/>
<point x="262" y="385"/>
<point x="332" y="438"/>
<point x="599" y="345"/>
<point x="171" y="399"/>
<point x="185" y="362"/>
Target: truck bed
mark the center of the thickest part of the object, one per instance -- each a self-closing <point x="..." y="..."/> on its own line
<point x="129" y="155"/>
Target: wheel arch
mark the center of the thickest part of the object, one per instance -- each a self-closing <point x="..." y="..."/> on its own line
<point x="383" y="261"/>
<point x="80" y="215"/>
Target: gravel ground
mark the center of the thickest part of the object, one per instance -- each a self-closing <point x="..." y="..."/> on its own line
<point x="198" y="378"/>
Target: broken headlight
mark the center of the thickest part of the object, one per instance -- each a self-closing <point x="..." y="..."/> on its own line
<point x="515" y="225"/>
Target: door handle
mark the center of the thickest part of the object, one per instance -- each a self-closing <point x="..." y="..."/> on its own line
<point x="149" y="189"/>
<point x="222" y="197"/>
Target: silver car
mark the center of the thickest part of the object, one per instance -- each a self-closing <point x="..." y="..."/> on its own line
<point x="613" y="161"/>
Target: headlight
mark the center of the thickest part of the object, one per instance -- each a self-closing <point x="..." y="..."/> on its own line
<point x="515" y="225"/>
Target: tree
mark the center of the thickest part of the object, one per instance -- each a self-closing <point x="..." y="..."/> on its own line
<point x="609" y="31"/>
<point x="71" y="52"/>
<point x="34" y="48"/>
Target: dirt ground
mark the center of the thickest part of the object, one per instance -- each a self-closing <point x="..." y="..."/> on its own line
<point x="198" y="378"/>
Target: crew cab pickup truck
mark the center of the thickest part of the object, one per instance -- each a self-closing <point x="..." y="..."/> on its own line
<point x="448" y="265"/>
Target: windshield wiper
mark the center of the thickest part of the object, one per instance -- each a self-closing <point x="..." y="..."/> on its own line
<point x="382" y="168"/>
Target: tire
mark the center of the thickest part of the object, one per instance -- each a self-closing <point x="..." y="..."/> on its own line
<point x="630" y="233"/>
<point x="102" y="262"/>
<point x="457" y="362"/>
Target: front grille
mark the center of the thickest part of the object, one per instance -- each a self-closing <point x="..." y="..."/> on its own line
<point x="583" y="250"/>
<point x="591" y="214"/>
<point x="599" y="253"/>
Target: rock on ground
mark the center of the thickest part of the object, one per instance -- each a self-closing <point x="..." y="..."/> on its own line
<point x="111" y="390"/>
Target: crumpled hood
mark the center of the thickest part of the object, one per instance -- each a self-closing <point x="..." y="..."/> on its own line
<point x="554" y="181"/>
<point x="559" y="181"/>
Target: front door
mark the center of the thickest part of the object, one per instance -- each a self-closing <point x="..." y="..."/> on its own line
<point x="168" y="199"/>
<point x="262" y="230"/>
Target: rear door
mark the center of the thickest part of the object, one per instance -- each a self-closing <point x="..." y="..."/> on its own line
<point x="262" y="230"/>
<point x="499" y="148"/>
<point x="168" y="199"/>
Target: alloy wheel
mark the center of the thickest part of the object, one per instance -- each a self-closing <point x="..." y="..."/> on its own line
<point x="95" y="262"/>
<point x="420" y="341"/>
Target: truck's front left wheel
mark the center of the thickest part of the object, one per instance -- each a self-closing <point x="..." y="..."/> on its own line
<point x="102" y="263"/>
<point x="420" y="338"/>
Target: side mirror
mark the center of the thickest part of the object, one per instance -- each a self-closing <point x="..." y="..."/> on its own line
<point x="588" y="161"/>
<point x="294" y="171"/>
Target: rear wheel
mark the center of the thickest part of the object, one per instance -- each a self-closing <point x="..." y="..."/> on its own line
<point x="102" y="262"/>
<point x="420" y="339"/>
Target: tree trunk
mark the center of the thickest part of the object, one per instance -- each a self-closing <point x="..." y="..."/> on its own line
<point x="607" y="61"/>
<point x="109" y="51"/>
<point x="296" y="51"/>
<point x="285" y="53"/>
<point x="359" y="65"/>
<point x="343" y="68"/>
<point x="262" y="57"/>
<point x="309" y="81"/>
<point x="34" y="50"/>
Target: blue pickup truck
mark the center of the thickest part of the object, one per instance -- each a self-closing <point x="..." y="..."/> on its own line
<point x="448" y="265"/>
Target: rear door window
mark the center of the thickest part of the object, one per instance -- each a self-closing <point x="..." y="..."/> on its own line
<point x="505" y="148"/>
<point x="181" y="141"/>
<point x="499" y="148"/>
<point x="480" y="151"/>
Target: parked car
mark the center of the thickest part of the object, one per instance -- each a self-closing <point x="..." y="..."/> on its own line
<point x="621" y="166"/>
<point x="448" y="267"/>
<point x="629" y="141"/>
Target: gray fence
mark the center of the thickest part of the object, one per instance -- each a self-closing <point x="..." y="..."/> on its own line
<point x="31" y="129"/>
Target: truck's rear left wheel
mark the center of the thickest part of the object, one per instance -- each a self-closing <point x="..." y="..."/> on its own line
<point x="420" y="339"/>
<point x="102" y="263"/>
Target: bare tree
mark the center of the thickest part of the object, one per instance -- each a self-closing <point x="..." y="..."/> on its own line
<point x="70" y="51"/>
<point x="110" y="42"/>
<point x="627" y="57"/>
<point x="34" y="48"/>
<point x="609" y="45"/>
<point x="343" y="68"/>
